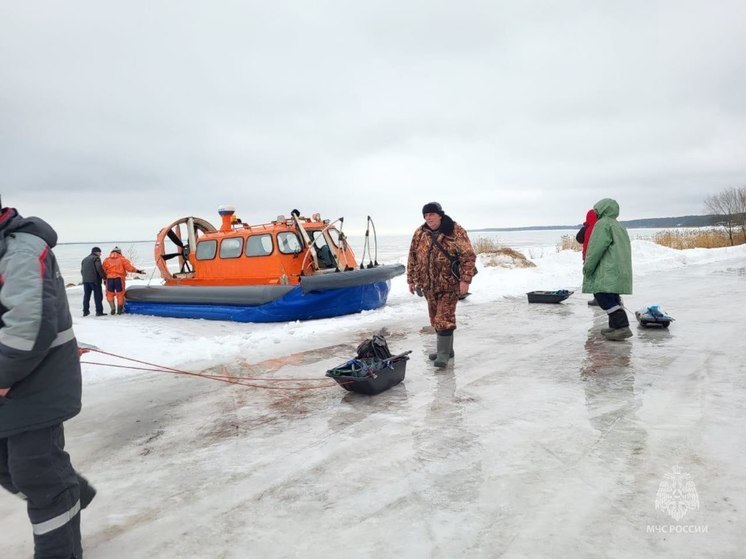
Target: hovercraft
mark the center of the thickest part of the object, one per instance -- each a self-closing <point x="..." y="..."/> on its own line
<point x="292" y="268"/>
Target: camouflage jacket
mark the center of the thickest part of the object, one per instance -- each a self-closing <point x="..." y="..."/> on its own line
<point x="429" y="268"/>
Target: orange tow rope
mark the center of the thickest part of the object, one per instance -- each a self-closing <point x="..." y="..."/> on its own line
<point x="221" y="378"/>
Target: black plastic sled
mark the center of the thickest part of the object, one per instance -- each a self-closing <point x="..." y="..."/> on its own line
<point x="370" y="375"/>
<point x="548" y="296"/>
<point x="653" y="316"/>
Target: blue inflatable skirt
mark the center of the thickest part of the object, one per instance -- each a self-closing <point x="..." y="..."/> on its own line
<point x="294" y="305"/>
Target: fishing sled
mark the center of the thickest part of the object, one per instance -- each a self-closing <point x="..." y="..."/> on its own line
<point x="653" y="316"/>
<point x="548" y="296"/>
<point x="373" y="370"/>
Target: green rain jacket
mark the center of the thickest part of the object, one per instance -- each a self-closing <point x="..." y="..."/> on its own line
<point x="608" y="262"/>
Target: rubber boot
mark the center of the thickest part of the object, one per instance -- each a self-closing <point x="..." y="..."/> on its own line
<point x="113" y="306"/>
<point x="120" y="310"/>
<point x="434" y="356"/>
<point x="619" y="334"/>
<point x="618" y="326"/>
<point x="618" y="319"/>
<point x="445" y="347"/>
<point x="87" y="492"/>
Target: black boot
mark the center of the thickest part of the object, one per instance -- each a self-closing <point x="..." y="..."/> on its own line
<point x="434" y="356"/>
<point x="618" y="319"/>
<point x="618" y="326"/>
<point x="87" y="492"/>
<point x="619" y="334"/>
<point x="445" y="348"/>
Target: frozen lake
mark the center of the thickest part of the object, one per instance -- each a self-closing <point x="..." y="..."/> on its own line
<point x="540" y="440"/>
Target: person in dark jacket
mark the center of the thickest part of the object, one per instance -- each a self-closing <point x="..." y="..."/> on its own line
<point x="40" y="386"/>
<point x="607" y="270"/>
<point x="93" y="275"/>
<point x="441" y="265"/>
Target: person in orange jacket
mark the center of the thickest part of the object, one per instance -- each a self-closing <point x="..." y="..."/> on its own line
<point x="116" y="267"/>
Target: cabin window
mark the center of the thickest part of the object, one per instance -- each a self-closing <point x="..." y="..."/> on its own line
<point x="231" y="248"/>
<point x="323" y="253"/>
<point x="206" y="250"/>
<point x="259" y="245"/>
<point x="288" y="242"/>
<point x="334" y="234"/>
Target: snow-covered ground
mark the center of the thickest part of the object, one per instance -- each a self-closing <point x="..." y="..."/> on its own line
<point x="541" y="440"/>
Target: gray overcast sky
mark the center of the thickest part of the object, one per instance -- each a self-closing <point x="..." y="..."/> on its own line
<point x="118" y="118"/>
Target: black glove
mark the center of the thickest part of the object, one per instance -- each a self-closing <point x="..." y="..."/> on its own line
<point x="140" y="271"/>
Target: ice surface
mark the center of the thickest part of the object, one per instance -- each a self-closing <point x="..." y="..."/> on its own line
<point x="542" y="439"/>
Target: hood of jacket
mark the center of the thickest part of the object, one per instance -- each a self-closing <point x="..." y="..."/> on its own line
<point x="11" y="222"/>
<point x="607" y="208"/>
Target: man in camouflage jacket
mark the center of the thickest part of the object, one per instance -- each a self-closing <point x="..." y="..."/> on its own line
<point x="436" y="245"/>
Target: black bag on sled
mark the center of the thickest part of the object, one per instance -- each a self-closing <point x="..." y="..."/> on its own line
<point x="374" y="347"/>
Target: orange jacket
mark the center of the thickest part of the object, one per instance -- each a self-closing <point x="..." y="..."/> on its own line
<point x="117" y="266"/>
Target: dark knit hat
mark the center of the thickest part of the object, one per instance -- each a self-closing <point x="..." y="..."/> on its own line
<point x="433" y="208"/>
<point x="95" y="249"/>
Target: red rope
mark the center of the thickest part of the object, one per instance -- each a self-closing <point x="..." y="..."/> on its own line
<point x="221" y="378"/>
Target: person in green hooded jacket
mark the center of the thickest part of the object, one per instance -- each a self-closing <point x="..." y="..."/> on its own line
<point x="607" y="270"/>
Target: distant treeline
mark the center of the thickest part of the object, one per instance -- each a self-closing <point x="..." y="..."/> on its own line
<point x="651" y="223"/>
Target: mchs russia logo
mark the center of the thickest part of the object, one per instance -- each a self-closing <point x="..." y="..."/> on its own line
<point x="677" y="494"/>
